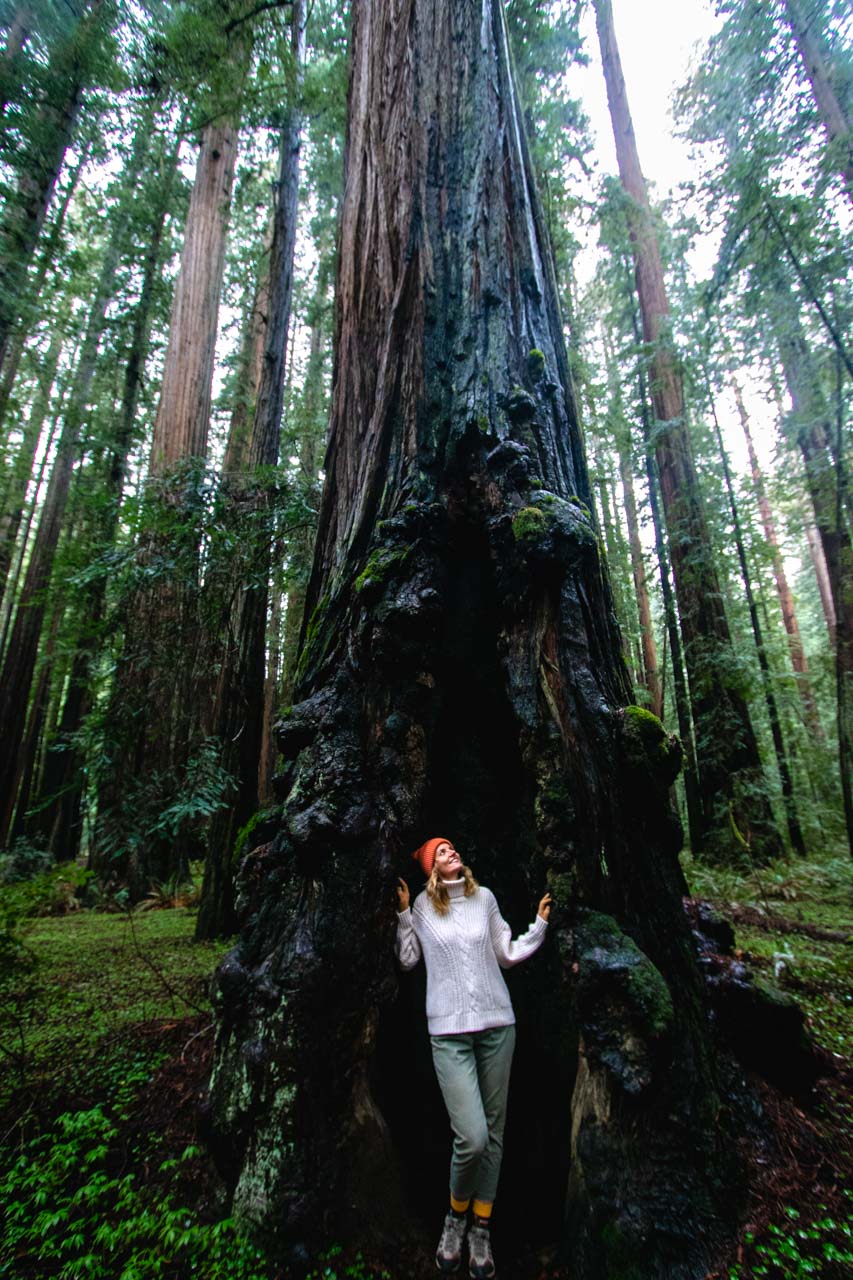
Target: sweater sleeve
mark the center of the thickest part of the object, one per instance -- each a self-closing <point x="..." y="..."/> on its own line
<point x="408" y="947"/>
<point x="508" y="952"/>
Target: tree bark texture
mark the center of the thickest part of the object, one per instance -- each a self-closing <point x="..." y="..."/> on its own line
<point x="461" y="672"/>
<point x="183" y="412"/>
<point x="822" y="578"/>
<point x="239" y="698"/>
<point x="816" y="63"/>
<point x="735" y="811"/>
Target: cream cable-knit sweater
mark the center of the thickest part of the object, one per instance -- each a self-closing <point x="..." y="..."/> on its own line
<point x="462" y="951"/>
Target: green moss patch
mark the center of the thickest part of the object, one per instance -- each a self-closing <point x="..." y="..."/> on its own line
<point x="527" y="524"/>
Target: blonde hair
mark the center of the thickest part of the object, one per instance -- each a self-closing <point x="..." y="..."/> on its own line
<point x="436" y="889"/>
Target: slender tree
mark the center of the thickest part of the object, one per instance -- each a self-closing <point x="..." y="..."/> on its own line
<point x="155" y="719"/>
<point x="57" y="823"/>
<point x="239" y="699"/>
<point x="73" y="62"/>
<point x="21" y="656"/>
<point x="799" y="661"/>
<point x="817" y="65"/>
<point x="735" y="811"/>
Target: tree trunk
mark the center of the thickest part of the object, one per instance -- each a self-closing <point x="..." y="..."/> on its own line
<point x="795" y="833"/>
<point x="617" y="557"/>
<point x="20" y="657"/>
<point x="20" y="472"/>
<point x="314" y="414"/>
<point x="651" y="680"/>
<point x="460" y="669"/>
<point x="679" y="684"/>
<point x="58" y="822"/>
<point x="154" y="720"/>
<point x="239" y="699"/>
<point x="18" y="341"/>
<point x="815" y="61"/>
<point x="811" y="425"/>
<point x="735" y="811"/>
<point x="26" y="211"/>
<point x="786" y="599"/>
<point x="822" y="577"/>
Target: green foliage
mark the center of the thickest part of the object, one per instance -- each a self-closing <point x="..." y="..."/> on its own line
<point x="381" y="563"/>
<point x="71" y="1208"/>
<point x="528" y="523"/>
<point x="245" y="833"/>
<point x="333" y="1265"/>
<point x="800" y="1248"/>
<point x="73" y="987"/>
<point x="817" y="970"/>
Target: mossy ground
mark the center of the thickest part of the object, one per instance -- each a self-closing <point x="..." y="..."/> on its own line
<point x="794" y="926"/>
<point x="108" y="1043"/>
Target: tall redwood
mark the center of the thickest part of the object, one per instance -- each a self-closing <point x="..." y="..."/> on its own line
<point x="735" y="810"/>
<point x="461" y="672"/>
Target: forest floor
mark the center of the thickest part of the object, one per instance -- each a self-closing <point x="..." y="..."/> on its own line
<point x="106" y="1038"/>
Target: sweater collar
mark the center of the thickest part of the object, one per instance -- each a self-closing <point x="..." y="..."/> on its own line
<point x="455" y="888"/>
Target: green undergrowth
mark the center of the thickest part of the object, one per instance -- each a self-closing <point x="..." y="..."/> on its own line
<point x="812" y="897"/>
<point x="793" y="925"/>
<point x="102" y="1176"/>
<point x="88" y="978"/>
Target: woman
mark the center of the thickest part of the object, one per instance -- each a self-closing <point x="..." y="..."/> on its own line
<point x="456" y="926"/>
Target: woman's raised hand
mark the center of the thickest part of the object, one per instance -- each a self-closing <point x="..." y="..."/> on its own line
<point x="402" y="895"/>
<point x="545" y="907"/>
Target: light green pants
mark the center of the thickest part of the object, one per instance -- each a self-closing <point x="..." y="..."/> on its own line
<point x="473" y="1074"/>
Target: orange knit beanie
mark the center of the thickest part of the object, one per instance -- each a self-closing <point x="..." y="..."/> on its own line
<point x="425" y="855"/>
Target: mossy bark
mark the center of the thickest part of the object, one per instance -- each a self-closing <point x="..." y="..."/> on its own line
<point x="461" y="673"/>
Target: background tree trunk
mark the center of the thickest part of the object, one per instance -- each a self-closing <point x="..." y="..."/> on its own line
<point x="154" y="702"/>
<point x="239" y="699"/>
<point x="829" y="105"/>
<point x="26" y="211"/>
<point x="460" y="670"/>
<point x="735" y="811"/>
<point x="799" y="661"/>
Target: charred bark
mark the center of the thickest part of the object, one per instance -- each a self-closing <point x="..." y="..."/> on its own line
<point x="460" y="668"/>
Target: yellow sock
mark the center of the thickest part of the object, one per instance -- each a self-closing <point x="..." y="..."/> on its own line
<point x="460" y="1206"/>
<point x="482" y="1209"/>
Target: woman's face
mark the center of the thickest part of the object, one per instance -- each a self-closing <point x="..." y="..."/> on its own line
<point x="448" y="862"/>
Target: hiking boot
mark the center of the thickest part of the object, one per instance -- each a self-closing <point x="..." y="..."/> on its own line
<point x="481" y="1264"/>
<point x="448" y="1255"/>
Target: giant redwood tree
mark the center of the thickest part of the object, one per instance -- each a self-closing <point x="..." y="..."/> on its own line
<point x="460" y="671"/>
